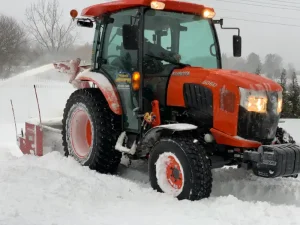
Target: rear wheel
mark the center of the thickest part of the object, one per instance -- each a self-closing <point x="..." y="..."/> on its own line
<point x="180" y="168"/>
<point x="90" y="131"/>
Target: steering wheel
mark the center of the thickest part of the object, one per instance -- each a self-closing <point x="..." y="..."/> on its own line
<point x="110" y="56"/>
<point x="113" y="62"/>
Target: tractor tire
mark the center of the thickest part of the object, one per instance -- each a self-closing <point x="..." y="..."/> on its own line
<point x="283" y="137"/>
<point x="90" y="131"/>
<point x="179" y="167"/>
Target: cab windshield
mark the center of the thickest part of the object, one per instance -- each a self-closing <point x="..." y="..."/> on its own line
<point x="185" y="38"/>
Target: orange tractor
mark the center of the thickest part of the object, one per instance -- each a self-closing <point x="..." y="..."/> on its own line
<point x="156" y="91"/>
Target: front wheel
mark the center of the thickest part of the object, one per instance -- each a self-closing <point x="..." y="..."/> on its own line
<point x="180" y="168"/>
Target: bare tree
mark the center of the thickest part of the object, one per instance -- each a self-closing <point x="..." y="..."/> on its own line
<point x="44" y="23"/>
<point x="13" y="45"/>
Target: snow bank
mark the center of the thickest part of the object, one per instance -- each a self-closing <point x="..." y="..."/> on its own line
<point x="293" y="127"/>
<point x="56" y="190"/>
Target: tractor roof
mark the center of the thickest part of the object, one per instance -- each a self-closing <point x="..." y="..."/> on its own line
<point x="172" y="5"/>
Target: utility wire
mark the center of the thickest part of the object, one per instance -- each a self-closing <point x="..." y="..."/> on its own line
<point x="270" y="3"/>
<point x="258" y="21"/>
<point x="261" y="14"/>
<point x="244" y="3"/>
<point x="297" y="2"/>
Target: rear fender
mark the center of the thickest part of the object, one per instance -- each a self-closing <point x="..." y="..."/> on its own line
<point x="110" y="93"/>
<point x="152" y="135"/>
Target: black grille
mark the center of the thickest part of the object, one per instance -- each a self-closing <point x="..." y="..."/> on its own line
<point x="198" y="97"/>
<point x="199" y="102"/>
<point x="259" y="126"/>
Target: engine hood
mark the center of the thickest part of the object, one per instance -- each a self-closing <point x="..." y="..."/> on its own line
<point x="245" y="80"/>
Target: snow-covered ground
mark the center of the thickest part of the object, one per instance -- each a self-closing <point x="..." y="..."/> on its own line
<point x="56" y="190"/>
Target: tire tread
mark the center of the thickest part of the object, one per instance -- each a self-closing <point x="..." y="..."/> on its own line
<point x="108" y="125"/>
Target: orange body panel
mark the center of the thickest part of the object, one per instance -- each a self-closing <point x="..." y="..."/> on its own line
<point x="219" y="82"/>
<point x="156" y="112"/>
<point x="225" y="139"/>
<point x="179" y="6"/>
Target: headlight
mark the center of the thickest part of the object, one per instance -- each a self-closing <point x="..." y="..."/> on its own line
<point x="279" y="105"/>
<point x="254" y="101"/>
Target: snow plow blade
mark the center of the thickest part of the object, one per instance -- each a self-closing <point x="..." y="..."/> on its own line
<point x="40" y="139"/>
<point x="274" y="160"/>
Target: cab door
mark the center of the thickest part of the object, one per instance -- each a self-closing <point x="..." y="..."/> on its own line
<point x="119" y="64"/>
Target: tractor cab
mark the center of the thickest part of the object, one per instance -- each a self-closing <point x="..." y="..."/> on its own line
<point x="148" y="42"/>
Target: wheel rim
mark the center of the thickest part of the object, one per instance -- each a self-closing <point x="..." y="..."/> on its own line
<point x="174" y="173"/>
<point x="81" y="133"/>
<point x="89" y="133"/>
<point x="169" y="173"/>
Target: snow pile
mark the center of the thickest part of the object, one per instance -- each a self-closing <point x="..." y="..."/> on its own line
<point x="293" y="127"/>
<point x="56" y="190"/>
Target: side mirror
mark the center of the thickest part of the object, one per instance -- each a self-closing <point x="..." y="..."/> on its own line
<point x="130" y="37"/>
<point x="85" y="23"/>
<point x="237" y="45"/>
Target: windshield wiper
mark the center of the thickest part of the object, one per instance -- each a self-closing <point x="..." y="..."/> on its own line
<point x="169" y="61"/>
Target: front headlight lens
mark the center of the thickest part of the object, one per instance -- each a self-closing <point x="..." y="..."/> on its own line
<point x="257" y="104"/>
<point x="254" y="101"/>
<point x="279" y="105"/>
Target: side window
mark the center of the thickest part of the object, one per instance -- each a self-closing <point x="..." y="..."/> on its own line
<point x="118" y="59"/>
<point x="115" y="42"/>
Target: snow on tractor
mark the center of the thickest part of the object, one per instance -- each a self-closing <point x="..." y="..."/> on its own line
<point x="156" y="91"/>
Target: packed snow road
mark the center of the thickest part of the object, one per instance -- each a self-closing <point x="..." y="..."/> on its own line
<point x="56" y="190"/>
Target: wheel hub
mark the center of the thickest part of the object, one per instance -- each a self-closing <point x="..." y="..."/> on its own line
<point x="89" y="133"/>
<point x="174" y="173"/>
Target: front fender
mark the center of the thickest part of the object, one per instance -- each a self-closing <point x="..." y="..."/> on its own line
<point x="152" y="135"/>
<point x="101" y="81"/>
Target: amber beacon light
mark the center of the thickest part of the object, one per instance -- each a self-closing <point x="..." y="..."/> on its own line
<point x="157" y="5"/>
<point x="73" y="13"/>
<point x="208" y="13"/>
<point x="136" y="77"/>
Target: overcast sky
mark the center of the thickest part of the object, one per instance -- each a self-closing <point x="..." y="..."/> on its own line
<point x="258" y="37"/>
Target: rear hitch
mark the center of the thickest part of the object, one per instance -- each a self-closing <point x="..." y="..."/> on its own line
<point x="272" y="161"/>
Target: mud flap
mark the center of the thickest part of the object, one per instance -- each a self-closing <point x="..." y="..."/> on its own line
<point x="272" y="161"/>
